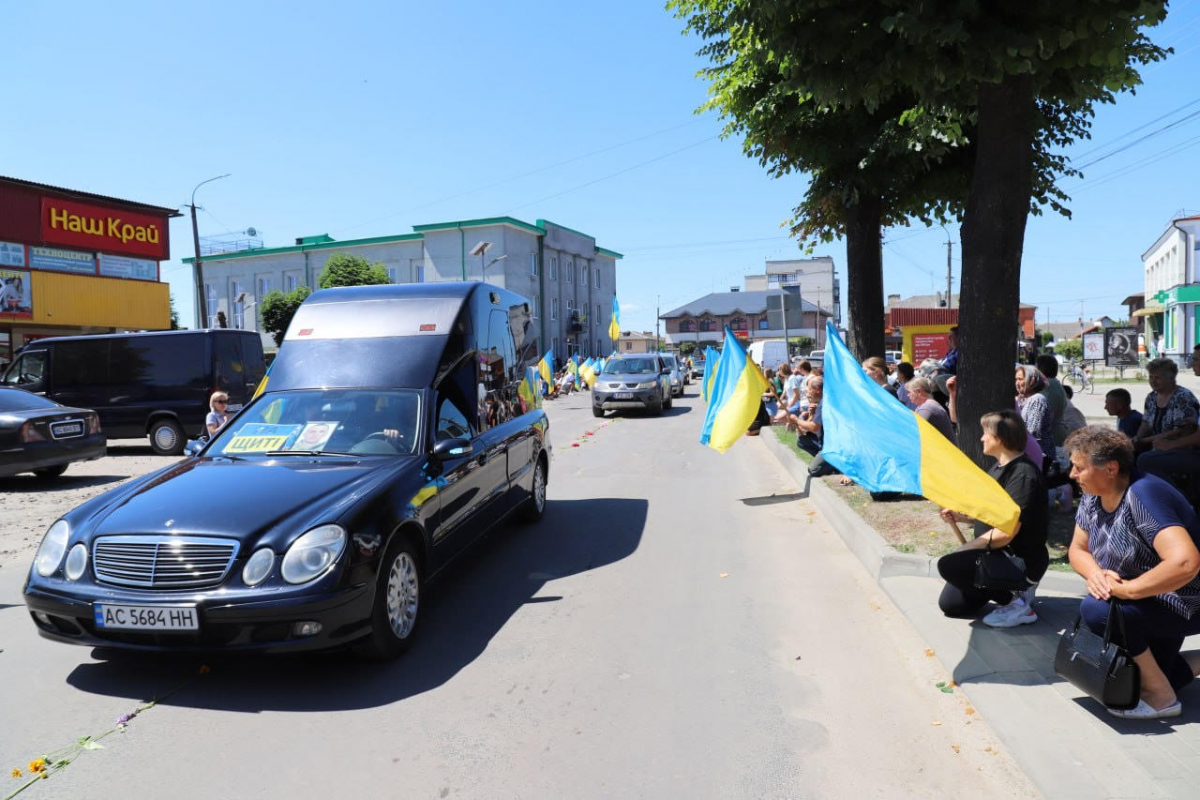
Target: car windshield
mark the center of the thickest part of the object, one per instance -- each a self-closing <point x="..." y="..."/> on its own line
<point x="348" y="421"/>
<point x="20" y="400"/>
<point x="631" y="366"/>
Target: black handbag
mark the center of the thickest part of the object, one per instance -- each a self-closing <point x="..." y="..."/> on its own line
<point x="995" y="570"/>
<point x="1096" y="665"/>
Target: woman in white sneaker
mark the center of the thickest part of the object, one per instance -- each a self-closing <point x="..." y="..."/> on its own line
<point x="1136" y="540"/>
<point x="1004" y="439"/>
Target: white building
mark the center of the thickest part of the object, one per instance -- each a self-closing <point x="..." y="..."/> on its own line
<point x="1173" y="287"/>
<point x="570" y="281"/>
<point x="816" y="278"/>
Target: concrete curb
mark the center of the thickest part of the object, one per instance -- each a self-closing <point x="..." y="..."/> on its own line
<point x="876" y="556"/>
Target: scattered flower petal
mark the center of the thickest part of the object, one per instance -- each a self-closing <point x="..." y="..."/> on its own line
<point x="956" y="748"/>
<point x="969" y="710"/>
<point x="16" y="773"/>
<point x="724" y="574"/>
<point x="929" y="652"/>
<point x="936" y="723"/>
<point x="37" y="765"/>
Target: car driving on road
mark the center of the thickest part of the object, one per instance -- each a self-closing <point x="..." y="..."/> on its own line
<point x="40" y="436"/>
<point x="398" y="425"/>
<point x="678" y="381"/>
<point x="632" y="382"/>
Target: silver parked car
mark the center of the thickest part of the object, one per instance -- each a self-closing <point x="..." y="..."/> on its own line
<point x="678" y="381"/>
<point x="640" y="381"/>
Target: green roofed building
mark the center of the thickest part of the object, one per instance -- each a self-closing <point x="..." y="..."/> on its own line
<point x="568" y="278"/>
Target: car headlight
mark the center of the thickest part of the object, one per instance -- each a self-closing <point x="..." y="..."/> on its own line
<point x="50" y="551"/>
<point x="76" y="562"/>
<point x="258" y="567"/>
<point x="647" y="384"/>
<point x="313" y="553"/>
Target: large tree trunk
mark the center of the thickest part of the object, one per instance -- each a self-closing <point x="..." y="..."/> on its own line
<point x="993" y="235"/>
<point x="864" y="276"/>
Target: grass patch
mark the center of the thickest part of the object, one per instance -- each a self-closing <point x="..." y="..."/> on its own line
<point x="789" y="439"/>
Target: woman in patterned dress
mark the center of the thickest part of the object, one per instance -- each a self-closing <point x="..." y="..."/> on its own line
<point x="1136" y="540"/>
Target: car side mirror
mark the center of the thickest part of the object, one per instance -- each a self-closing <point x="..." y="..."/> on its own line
<point x="666" y="371"/>
<point x="193" y="447"/>
<point x="452" y="448"/>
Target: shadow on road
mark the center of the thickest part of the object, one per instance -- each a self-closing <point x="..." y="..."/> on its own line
<point x="25" y="484"/>
<point x="1054" y="614"/>
<point x="468" y="606"/>
<point x="770" y="500"/>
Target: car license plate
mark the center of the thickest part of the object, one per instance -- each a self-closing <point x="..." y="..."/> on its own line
<point x="65" y="430"/>
<point x="623" y="396"/>
<point x="146" y="618"/>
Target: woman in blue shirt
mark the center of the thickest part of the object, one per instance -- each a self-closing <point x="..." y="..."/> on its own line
<point x="1136" y="540"/>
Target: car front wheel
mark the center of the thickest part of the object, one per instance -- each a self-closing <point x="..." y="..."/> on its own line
<point x="397" y="607"/>
<point x="597" y="411"/>
<point x="51" y="472"/>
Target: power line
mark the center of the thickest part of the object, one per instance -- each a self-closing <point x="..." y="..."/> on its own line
<point x="628" y="250"/>
<point x="614" y="174"/>
<point x="1171" y="113"/>
<point x="512" y="178"/>
<point x="1140" y="139"/>
<point x="1159" y="156"/>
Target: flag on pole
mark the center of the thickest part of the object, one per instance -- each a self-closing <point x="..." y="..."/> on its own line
<point x="546" y="366"/>
<point x="734" y="398"/>
<point x="884" y="447"/>
<point x="614" y="325"/>
<point x="587" y="372"/>
<point x="712" y="357"/>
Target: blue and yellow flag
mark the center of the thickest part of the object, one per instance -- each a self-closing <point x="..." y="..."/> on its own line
<point x="614" y="325"/>
<point x="712" y="357"/>
<point x="734" y="397"/>
<point x="884" y="447"/>
<point x="528" y="392"/>
<point x="587" y="372"/>
<point x="546" y="366"/>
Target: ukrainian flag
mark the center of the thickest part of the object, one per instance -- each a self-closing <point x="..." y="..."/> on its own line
<point x="885" y="447"/>
<point x="614" y="325"/>
<point x="734" y="397"/>
<point x="528" y="392"/>
<point x="587" y="372"/>
<point x="546" y="366"/>
<point x="712" y="357"/>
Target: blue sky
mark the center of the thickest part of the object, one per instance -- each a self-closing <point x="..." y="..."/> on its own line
<point x="363" y="119"/>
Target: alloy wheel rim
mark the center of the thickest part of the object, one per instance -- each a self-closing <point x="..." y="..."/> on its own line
<point x="402" y="595"/>
<point x="539" y="488"/>
<point x="165" y="437"/>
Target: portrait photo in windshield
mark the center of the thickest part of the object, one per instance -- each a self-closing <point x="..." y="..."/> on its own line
<point x="350" y="422"/>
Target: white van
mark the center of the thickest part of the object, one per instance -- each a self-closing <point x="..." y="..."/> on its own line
<point x="768" y="353"/>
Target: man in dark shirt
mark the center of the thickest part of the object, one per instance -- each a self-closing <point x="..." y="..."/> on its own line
<point x="950" y="362"/>
<point x="1119" y="404"/>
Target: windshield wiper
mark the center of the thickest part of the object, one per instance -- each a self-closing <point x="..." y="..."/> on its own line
<point x="308" y="453"/>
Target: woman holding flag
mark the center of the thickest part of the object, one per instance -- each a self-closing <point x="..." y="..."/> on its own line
<point x="1004" y="438"/>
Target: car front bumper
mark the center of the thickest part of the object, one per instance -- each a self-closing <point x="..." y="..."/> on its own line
<point x="42" y="455"/>
<point x="629" y="398"/>
<point x="243" y="620"/>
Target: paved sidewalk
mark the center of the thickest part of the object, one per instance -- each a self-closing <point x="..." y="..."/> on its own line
<point x="1068" y="745"/>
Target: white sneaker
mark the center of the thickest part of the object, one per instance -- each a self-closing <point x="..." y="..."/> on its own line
<point x="1010" y="616"/>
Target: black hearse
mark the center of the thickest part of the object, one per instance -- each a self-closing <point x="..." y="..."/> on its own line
<point x="144" y="384"/>
<point x="397" y="425"/>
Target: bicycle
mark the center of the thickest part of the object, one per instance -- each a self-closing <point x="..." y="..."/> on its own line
<point x="1078" y="377"/>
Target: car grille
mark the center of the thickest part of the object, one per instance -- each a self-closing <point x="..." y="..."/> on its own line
<point x="162" y="562"/>
<point x="622" y="386"/>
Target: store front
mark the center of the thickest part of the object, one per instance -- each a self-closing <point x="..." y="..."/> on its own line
<point x="75" y="263"/>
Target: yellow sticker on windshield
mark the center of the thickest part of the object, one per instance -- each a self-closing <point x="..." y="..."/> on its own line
<point x="255" y="444"/>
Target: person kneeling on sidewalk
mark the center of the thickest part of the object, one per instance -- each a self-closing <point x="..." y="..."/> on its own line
<point x="1004" y="438"/>
<point x="1136" y="540"/>
<point x="811" y="431"/>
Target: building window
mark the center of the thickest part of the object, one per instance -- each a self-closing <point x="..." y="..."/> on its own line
<point x="629" y="345"/>
<point x="706" y="325"/>
<point x="569" y="268"/>
<point x="687" y="326"/>
<point x="762" y="324"/>
<point x="533" y="264"/>
<point x="210" y="301"/>
<point x="570" y="307"/>
<point x="264" y="287"/>
<point x="537" y="306"/>
<point x="391" y="273"/>
<point x="583" y="273"/>
<point x="554" y="308"/>
<point x="289" y="283"/>
<point x="596" y="275"/>
<point x="418" y="273"/>
<point x="737" y="324"/>
<point x="239" y="308"/>
<point x="553" y="268"/>
<point x="599" y="347"/>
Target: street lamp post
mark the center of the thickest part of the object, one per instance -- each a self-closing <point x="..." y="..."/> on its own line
<point x="200" y="298"/>
<point x="241" y="298"/>
<point x="483" y="275"/>
<point x="480" y="250"/>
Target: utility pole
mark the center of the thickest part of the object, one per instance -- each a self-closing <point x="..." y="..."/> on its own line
<point x="201" y="300"/>
<point x="657" y="312"/>
<point x="949" y="274"/>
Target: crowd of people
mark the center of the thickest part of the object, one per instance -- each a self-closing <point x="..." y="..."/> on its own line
<point x="1136" y="529"/>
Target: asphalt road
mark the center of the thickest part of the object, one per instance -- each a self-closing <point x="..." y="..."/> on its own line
<point x="680" y="624"/>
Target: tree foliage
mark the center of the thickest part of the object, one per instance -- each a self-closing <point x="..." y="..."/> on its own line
<point x="1069" y="348"/>
<point x="344" y="269"/>
<point x="174" y="315"/>
<point x="277" y="310"/>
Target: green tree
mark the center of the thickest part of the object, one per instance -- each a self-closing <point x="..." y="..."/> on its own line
<point x="1069" y="348"/>
<point x="687" y="348"/>
<point x="1012" y="84"/>
<point x="277" y="310"/>
<point x="344" y="269"/>
<point x="1045" y="338"/>
<point x="802" y="344"/>
<point x="174" y="315"/>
